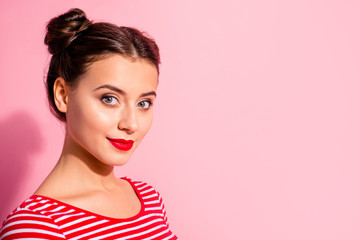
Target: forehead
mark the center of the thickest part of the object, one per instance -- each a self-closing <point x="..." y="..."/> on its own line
<point x="125" y="73"/>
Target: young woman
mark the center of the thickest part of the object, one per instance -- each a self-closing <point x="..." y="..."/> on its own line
<point x="101" y="83"/>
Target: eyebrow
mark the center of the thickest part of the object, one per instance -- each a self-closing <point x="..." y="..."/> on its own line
<point x="122" y="92"/>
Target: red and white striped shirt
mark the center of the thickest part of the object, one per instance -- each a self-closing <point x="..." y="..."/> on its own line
<point x="41" y="217"/>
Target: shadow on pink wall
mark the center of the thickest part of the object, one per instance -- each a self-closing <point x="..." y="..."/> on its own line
<point x="20" y="139"/>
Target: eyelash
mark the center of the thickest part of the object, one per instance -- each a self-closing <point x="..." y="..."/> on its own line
<point x="103" y="98"/>
<point x="147" y="101"/>
<point x="107" y="97"/>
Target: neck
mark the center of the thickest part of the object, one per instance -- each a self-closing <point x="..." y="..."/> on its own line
<point x="79" y="168"/>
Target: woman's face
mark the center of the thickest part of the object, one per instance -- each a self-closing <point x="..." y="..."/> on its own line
<point x="110" y="110"/>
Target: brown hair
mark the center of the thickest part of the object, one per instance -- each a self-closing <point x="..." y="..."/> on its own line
<point x="75" y="42"/>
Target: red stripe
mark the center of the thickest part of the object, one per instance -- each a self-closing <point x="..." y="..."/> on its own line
<point x="139" y="227"/>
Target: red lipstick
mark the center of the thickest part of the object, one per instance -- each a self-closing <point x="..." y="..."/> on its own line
<point x="121" y="144"/>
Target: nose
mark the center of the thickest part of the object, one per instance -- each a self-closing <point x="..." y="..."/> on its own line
<point x="128" y="121"/>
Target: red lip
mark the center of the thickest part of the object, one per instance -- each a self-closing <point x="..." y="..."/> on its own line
<point x="121" y="144"/>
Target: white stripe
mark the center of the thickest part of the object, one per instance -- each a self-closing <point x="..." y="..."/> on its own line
<point x="57" y="209"/>
<point x="32" y="230"/>
<point x="67" y="216"/>
<point x="31" y="239"/>
<point x="86" y="226"/>
<point x="26" y="215"/>
<point x="33" y="204"/>
<point x="171" y="236"/>
<point x="76" y="221"/>
<point x="146" y="191"/>
<point x="62" y="213"/>
<point x="54" y="210"/>
<point x="27" y="206"/>
<point x="152" y="202"/>
<point x="158" y="234"/>
<point x="141" y="188"/>
<point x="150" y="196"/>
<point x="130" y="229"/>
<point x="153" y="208"/>
<point x="43" y="207"/>
<point x="116" y="225"/>
<point x="138" y="183"/>
<point x="30" y="222"/>
<point x="144" y="232"/>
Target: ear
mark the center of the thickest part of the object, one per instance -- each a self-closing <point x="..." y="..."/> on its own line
<point x="61" y="92"/>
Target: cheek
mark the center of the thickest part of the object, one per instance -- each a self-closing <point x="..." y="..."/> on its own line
<point x="145" y="123"/>
<point x="85" y="118"/>
<point x="74" y="116"/>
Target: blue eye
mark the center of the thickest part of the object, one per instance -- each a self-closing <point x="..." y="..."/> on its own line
<point x="109" y="100"/>
<point x="144" y="104"/>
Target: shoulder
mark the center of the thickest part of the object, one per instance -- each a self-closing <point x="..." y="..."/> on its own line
<point x="28" y="221"/>
<point x="150" y="197"/>
<point x="143" y="189"/>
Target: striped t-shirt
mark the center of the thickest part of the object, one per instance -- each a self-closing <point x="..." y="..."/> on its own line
<point x="41" y="217"/>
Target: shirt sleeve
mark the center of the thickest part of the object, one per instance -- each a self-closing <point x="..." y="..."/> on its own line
<point x="162" y="206"/>
<point x="25" y="224"/>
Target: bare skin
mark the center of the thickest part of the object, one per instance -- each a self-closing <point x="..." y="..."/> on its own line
<point x="105" y="194"/>
<point x="84" y="174"/>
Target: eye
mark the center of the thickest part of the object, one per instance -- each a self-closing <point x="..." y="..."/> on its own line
<point x="144" y="104"/>
<point x="109" y="100"/>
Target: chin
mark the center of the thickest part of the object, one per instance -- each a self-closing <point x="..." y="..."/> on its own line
<point x="118" y="161"/>
<point x="115" y="157"/>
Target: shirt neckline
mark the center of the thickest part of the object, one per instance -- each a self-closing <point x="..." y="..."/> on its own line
<point x="139" y="214"/>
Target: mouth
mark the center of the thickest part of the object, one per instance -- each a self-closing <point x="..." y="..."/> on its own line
<point x="121" y="144"/>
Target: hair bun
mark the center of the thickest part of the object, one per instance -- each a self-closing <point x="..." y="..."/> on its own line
<point x="64" y="29"/>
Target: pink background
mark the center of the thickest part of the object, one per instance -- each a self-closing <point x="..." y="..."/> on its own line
<point x="257" y="124"/>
